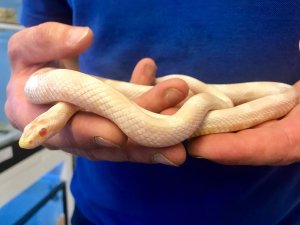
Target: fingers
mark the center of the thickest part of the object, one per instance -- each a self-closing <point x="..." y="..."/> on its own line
<point x="144" y="72"/>
<point x="47" y="42"/>
<point x="62" y="41"/>
<point x="164" y="95"/>
<point x="274" y="144"/>
<point x="159" y="98"/>
<point x="109" y="144"/>
<point x="171" y="156"/>
<point x="108" y="138"/>
<point x="79" y="133"/>
<point x="226" y="148"/>
<point x="29" y="50"/>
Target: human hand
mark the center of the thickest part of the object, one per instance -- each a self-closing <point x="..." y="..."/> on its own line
<point x="36" y="47"/>
<point x="272" y="143"/>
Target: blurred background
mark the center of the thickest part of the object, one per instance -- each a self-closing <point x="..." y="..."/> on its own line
<point x="34" y="184"/>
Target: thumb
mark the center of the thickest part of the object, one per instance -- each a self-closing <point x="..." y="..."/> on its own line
<point x="47" y="42"/>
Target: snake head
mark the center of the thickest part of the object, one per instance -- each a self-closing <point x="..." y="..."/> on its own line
<point x="32" y="137"/>
<point x="46" y="125"/>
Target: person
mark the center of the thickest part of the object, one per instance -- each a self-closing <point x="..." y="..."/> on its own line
<point x="230" y="178"/>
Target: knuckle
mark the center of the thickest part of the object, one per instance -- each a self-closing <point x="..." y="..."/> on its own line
<point x="41" y="34"/>
<point x="9" y="112"/>
<point x="13" y="47"/>
<point x="48" y="33"/>
<point x="9" y="89"/>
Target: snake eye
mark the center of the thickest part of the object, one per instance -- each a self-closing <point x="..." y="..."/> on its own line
<point x="43" y="132"/>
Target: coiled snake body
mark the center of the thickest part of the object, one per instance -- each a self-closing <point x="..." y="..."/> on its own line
<point x="208" y="110"/>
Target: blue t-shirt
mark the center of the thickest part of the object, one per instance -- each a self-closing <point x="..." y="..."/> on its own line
<point x="217" y="41"/>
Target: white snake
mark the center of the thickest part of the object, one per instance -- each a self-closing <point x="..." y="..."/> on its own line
<point x="208" y="110"/>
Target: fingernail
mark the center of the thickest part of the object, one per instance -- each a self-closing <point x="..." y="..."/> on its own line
<point x="105" y="143"/>
<point x="159" y="158"/>
<point x="76" y="34"/>
<point x="173" y="96"/>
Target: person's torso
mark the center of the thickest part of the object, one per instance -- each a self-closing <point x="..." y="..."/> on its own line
<point x="217" y="42"/>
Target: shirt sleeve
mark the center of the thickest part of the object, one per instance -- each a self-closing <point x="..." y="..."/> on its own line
<point x="40" y="11"/>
